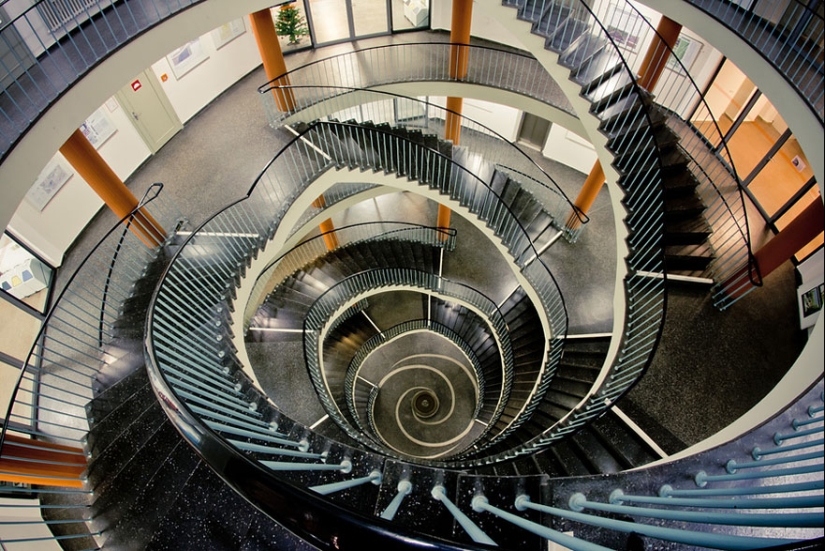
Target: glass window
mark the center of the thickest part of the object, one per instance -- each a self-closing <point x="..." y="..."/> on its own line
<point x="330" y="20"/>
<point x="23" y="275"/>
<point x="786" y="173"/>
<point x="755" y="137"/>
<point x="291" y="26"/>
<point x="369" y="17"/>
<point x="727" y="96"/>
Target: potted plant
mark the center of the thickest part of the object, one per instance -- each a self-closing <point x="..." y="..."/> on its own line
<point x="291" y="23"/>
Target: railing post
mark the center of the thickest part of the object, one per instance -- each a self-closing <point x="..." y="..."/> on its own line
<point x="477" y="534"/>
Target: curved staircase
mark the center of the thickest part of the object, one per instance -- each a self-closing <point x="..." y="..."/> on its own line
<point x="193" y="453"/>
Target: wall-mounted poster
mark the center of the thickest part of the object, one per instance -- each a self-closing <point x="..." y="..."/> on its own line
<point x="48" y="183"/>
<point x="227" y="32"/>
<point x="187" y="57"/>
<point x="98" y="128"/>
<point x="624" y="26"/>
<point x="686" y="49"/>
<point x="812" y="300"/>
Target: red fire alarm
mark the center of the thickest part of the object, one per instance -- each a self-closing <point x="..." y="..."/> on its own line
<point x="136" y="85"/>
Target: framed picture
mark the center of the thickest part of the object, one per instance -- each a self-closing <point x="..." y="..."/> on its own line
<point x="49" y="182"/>
<point x="187" y="57"/>
<point x="812" y="301"/>
<point x="623" y="26"/>
<point x="686" y="50"/>
<point x="227" y="32"/>
<point x="98" y="128"/>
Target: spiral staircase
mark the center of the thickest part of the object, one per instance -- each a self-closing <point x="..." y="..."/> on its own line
<point x="174" y="443"/>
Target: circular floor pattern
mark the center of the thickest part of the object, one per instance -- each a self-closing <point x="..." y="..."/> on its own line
<point x="425" y="401"/>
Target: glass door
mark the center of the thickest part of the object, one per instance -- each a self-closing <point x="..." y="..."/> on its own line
<point x="334" y="21"/>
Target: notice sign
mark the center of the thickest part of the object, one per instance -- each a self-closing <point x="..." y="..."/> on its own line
<point x="136" y="85"/>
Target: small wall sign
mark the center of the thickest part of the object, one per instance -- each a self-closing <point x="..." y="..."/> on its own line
<point x="136" y="85"/>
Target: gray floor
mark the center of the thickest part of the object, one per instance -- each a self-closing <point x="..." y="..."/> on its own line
<point x="711" y="366"/>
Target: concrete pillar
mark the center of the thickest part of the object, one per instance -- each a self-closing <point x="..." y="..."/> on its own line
<point x="462" y="19"/>
<point x="273" y="58"/>
<point x="85" y="159"/>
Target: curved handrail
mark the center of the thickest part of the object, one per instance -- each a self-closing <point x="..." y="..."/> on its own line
<point x="270" y="191"/>
<point x="390" y="333"/>
<point x="787" y="56"/>
<point x="33" y="357"/>
<point x="317" y="246"/>
<point x="727" y="158"/>
<point x="329" y="301"/>
<point x="490" y="206"/>
<point x="524" y="57"/>
<point x="628" y="366"/>
<point x="314" y="100"/>
<point x="322" y="522"/>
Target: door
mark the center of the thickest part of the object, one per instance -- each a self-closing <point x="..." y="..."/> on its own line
<point x="150" y="110"/>
<point x="533" y="131"/>
<point x="334" y="21"/>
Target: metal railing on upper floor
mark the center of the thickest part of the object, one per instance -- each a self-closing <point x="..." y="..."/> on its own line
<point x="788" y="34"/>
<point x="47" y="46"/>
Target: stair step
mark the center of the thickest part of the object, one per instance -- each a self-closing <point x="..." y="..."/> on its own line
<point x="623" y="443"/>
<point x="188" y="511"/>
<point x="688" y="257"/>
<point x="104" y="432"/>
<point x="597" y="458"/>
<point x="115" y="496"/>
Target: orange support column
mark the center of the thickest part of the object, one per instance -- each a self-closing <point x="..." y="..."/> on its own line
<point x="85" y="159"/>
<point x="330" y="239"/>
<point x="667" y="33"/>
<point x="462" y="19"/>
<point x="273" y="58"/>
<point x="590" y="190"/>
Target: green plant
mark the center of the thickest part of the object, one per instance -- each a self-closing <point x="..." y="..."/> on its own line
<point x="291" y="23"/>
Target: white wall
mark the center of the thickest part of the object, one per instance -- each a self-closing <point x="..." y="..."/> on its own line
<point x="501" y="118"/>
<point x="52" y="231"/>
<point x="569" y="149"/>
<point x="222" y="69"/>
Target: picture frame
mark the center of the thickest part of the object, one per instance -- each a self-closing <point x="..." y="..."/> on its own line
<point x="228" y="32"/>
<point x="812" y="301"/>
<point x="187" y="57"/>
<point x="53" y="177"/>
<point x="98" y="128"/>
<point x="624" y="26"/>
<point x="685" y="50"/>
